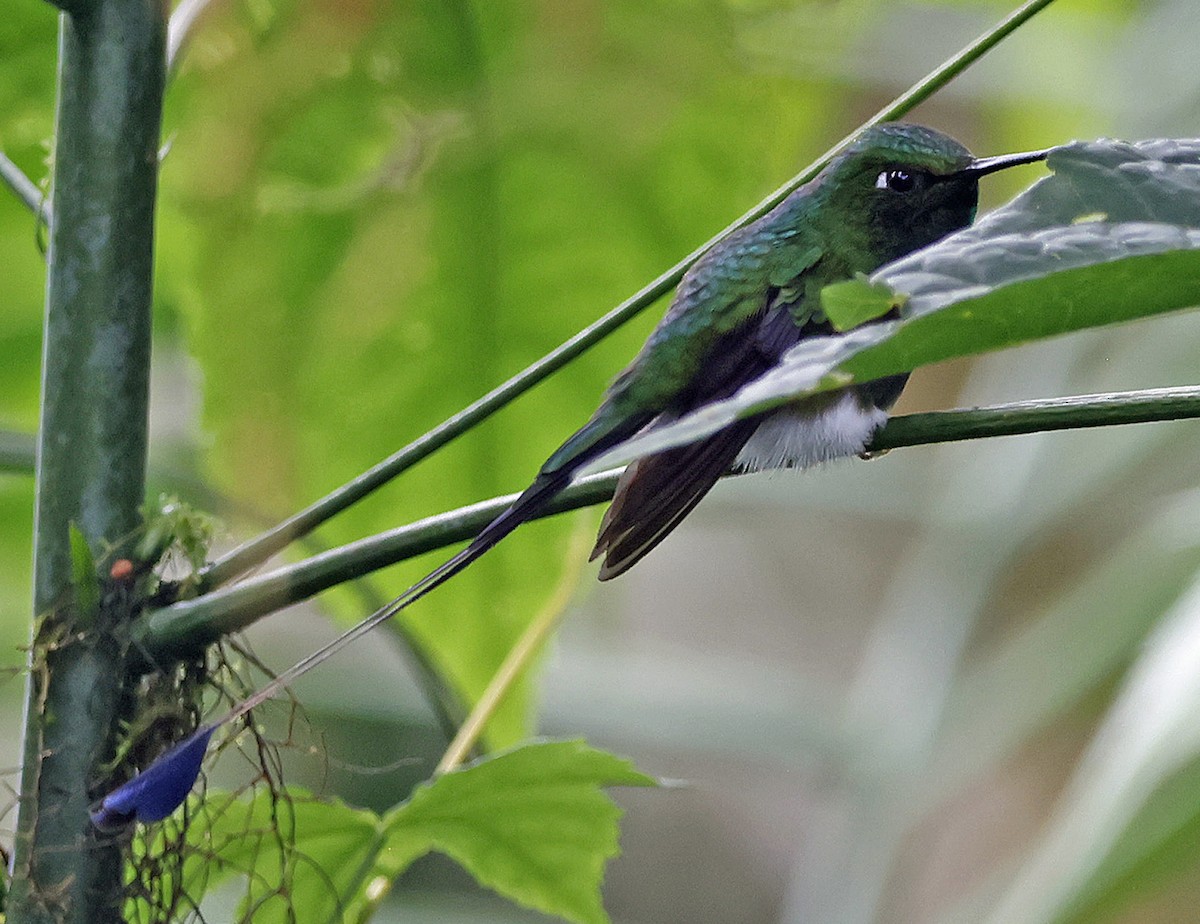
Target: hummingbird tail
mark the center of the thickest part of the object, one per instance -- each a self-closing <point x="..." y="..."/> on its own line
<point x="549" y="482"/>
<point x="656" y="492"/>
<point x="523" y="508"/>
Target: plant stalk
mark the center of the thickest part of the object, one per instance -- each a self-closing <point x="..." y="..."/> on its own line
<point x="23" y="187"/>
<point x="183" y="629"/>
<point x="91" y="464"/>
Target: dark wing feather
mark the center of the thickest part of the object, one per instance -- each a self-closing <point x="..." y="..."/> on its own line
<point x="656" y="492"/>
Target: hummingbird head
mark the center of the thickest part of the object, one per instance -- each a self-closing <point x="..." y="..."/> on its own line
<point x="900" y="187"/>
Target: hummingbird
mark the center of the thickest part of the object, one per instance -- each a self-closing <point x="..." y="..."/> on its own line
<point x="896" y="188"/>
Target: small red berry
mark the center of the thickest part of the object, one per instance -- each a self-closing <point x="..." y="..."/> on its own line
<point x="121" y="569"/>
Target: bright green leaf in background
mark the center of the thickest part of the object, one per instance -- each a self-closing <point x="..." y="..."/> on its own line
<point x="27" y="48"/>
<point x="530" y="823"/>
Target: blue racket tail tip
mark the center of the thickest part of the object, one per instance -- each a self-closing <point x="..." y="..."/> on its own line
<point x="158" y="790"/>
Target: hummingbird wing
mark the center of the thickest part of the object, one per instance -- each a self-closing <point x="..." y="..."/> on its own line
<point x="656" y="492"/>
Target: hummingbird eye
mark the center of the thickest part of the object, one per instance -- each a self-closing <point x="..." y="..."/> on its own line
<point x="896" y="180"/>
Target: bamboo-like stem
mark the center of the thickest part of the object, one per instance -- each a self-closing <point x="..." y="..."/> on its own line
<point x="183" y="628"/>
<point x="257" y="550"/>
<point x="92" y="448"/>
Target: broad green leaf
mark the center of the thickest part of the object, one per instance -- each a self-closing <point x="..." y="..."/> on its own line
<point x="1112" y="236"/>
<point x="531" y="823"/>
<point x="330" y="848"/>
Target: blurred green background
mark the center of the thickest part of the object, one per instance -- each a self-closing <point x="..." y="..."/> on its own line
<point x="889" y="686"/>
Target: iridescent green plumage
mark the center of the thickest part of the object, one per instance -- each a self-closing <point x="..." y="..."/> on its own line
<point x="819" y="234"/>
<point x="754" y="295"/>
<point x="746" y="302"/>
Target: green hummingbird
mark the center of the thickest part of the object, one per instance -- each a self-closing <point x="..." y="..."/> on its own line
<point x="894" y="189"/>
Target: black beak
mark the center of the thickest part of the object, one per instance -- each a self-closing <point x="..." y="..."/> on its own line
<point x="982" y="166"/>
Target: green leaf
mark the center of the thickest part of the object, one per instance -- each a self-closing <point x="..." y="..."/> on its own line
<point x="301" y="859"/>
<point x="857" y="301"/>
<point x="531" y="823"/>
<point x="1041" y="266"/>
<point x="83" y="575"/>
<point x="332" y="846"/>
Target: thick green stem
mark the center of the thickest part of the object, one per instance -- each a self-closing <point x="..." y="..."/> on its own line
<point x="184" y="628"/>
<point x="92" y="446"/>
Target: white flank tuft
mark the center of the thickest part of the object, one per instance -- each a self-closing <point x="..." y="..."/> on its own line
<point x="799" y="437"/>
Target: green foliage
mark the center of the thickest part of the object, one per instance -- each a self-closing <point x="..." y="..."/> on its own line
<point x="532" y="823"/>
<point x="175" y="528"/>
<point x="372" y="213"/>
<point x="27" y="48"/>
<point x="857" y="301"/>
<point x="369" y="231"/>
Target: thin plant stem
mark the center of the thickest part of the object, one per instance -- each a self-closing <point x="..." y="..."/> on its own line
<point x="257" y="550"/>
<point x="25" y="189"/>
<point x="183" y="628"/>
